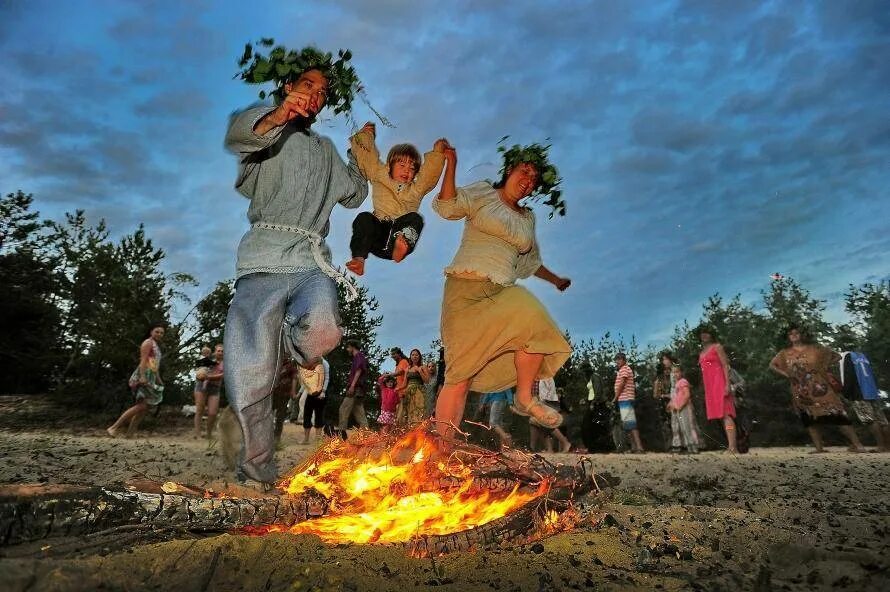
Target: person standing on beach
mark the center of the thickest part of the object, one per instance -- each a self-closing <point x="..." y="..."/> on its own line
<point x="212" y="389"/>
<point x="315" y="383"/>
<point x="353" y="404"/>
<point x="547" y="393"/>
<point x="814" y="392"/>
<point x="145" y="382"/>
<point x="715" y="368"/>
<point x="682" y="412"/>
<point x="625" y="393"/>
<point x="285" y="289"/>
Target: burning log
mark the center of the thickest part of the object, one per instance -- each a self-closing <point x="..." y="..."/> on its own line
<point x="411" y="489"/>
<point x="28" y="514"/>
<point x="518" y="525"/>
<point x="433" y="496"/>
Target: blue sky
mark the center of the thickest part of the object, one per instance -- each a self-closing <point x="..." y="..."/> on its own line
<point x="704" y="144"/>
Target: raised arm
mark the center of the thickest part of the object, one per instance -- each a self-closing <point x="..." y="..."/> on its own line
<point x="366" y="155"/>
<point x="449" y="187"/>
<point x="242" y="138"/>
<point x="348" y="186"/>
<point x="257" y="128"/>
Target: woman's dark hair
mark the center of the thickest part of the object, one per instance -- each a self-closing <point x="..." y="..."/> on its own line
<point x="660" y="370"/>
<point x="503" y="179"/>
<point x="419" y="356"/>
<point x="782" y="340"/>
<point x="710" y="330"/>
<point x="155" y="325"/>
<point x="403" y="151"/>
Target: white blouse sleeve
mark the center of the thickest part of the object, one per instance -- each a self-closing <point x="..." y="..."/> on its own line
<point x="462" y="204"/>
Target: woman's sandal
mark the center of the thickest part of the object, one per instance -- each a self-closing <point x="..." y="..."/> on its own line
<point x="546" y="417"/>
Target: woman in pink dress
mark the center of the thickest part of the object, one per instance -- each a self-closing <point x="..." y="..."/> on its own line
<point x="719" y="402"/>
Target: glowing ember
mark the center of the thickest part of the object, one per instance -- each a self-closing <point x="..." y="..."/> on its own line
<point x="385" y="492"/>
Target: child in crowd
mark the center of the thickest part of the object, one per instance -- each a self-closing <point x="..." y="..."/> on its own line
<point x="392" y="230"/>
<point x="202" y="366"/>
<point x="680" y="407"/>
<point x="389" y="400"/>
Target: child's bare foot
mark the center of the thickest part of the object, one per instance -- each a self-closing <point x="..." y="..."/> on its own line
<point x="356" y="265"/>
<point x="400" y="249"/>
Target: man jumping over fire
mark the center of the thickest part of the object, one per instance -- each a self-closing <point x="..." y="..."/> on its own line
<point x="285" y="294"/>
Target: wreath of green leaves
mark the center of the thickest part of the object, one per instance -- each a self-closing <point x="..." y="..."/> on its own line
<point x="281" y="66"/>
<point x="548" y="175"/>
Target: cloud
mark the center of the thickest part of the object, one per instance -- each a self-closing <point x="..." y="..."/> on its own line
<point x="703" y="143"/>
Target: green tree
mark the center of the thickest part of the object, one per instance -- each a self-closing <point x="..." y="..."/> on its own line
<point x="203" y="324"/>
<point x="29" y="349"/>
<point x="108" y="294"/>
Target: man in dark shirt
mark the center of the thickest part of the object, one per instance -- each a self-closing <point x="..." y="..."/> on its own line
<point x="353" y="404"/>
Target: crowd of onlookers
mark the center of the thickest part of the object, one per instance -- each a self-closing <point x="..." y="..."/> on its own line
<point x="827" y="389"/>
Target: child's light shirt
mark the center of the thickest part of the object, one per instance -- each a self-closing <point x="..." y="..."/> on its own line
<point x="680" y="394"/>
<point x="392" y="199"/>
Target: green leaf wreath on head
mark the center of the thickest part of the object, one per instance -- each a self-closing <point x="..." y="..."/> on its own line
<point x="281" y="66"/>
<point x="548" y="175"/>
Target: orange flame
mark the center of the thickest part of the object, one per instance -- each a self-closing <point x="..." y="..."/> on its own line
<point x="396" y="493"/>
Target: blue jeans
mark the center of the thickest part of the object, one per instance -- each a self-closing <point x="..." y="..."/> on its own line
<point x="296" y="312"/>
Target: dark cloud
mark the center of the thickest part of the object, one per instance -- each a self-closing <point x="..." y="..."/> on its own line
<point x="704" y="143"/>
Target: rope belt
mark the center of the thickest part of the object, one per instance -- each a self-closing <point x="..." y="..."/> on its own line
<point x="315" y="242"/>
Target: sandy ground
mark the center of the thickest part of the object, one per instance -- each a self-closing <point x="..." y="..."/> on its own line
<point x="775" y="519"/>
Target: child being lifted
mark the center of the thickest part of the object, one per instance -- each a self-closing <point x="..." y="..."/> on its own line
<point x="392" y="230"/>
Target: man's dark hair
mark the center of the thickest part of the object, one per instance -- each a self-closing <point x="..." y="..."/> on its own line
<point x="397" y="350"/>
<point x="353" y="343"/>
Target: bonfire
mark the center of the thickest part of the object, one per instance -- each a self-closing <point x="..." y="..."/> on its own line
<point x="408" y="488"/>
<point x="413" y="488"/>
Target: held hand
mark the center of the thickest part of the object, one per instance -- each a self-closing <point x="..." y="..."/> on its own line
<point x="562" y="283"/>
<point x="295" y="104"/>
<point x="441" y="145"/>
<point x="370" y="128"/>
<point x="451" y="156"/>
<point x="350" y="391"/>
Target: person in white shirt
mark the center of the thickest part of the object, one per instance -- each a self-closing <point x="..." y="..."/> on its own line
<point x="548" y="395"/>
<point x="314" y="382"/>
